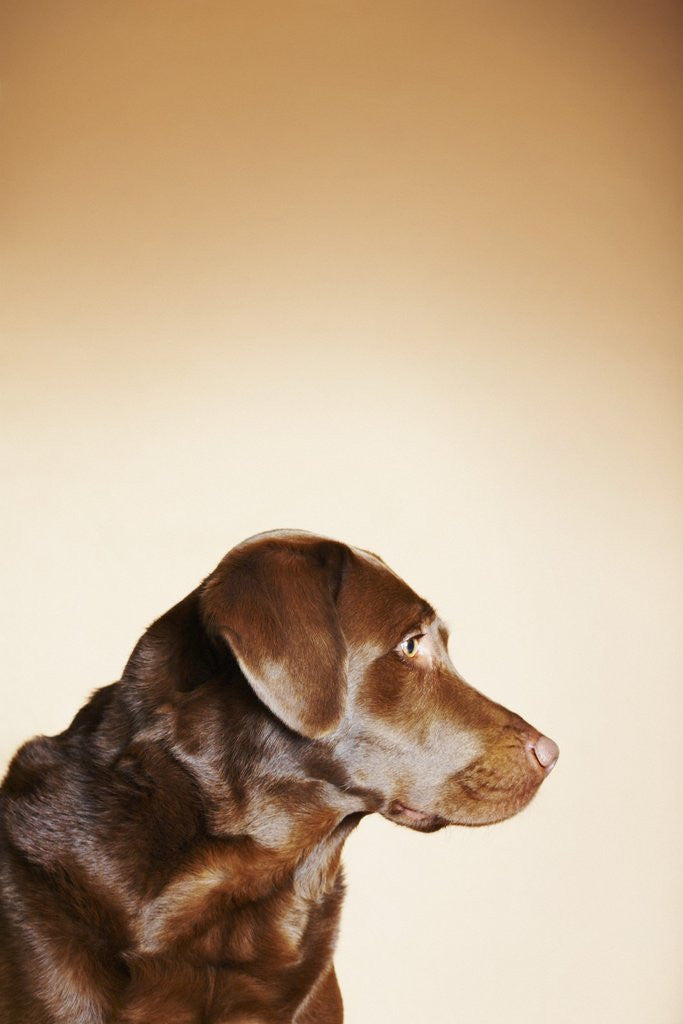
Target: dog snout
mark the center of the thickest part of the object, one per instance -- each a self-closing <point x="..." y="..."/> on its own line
<point x="544" y="752"/>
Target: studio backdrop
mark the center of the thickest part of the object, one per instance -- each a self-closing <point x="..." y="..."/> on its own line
<point x="406" y="275"/>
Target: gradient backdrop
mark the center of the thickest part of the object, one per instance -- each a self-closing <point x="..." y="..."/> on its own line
<point x="407" y="274"/>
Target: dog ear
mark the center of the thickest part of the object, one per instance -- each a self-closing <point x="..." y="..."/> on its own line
<point x="273" y="598"/>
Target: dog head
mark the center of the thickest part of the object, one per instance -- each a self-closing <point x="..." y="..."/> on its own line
<point x="344" y="653"/>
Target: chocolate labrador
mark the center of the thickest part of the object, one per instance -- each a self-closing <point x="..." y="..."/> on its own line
<point x="173" y="857"/>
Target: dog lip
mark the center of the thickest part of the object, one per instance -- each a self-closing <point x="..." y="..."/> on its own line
<point x="411" y="813"/>
<point x="421" y="821"/>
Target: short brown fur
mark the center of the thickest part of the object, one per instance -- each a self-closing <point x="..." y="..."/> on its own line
<point x="174" y="855"/>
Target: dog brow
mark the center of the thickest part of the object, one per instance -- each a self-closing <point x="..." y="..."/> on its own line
<point x="420" y="613"/>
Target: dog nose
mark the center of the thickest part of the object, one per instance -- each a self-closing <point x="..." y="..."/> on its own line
<point x="546" y="752"/>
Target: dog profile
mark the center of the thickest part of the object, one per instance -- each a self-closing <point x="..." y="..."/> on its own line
<point x="173" y="857"/>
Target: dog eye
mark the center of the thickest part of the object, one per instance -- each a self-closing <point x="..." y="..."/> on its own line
<point x="411" y="646"/>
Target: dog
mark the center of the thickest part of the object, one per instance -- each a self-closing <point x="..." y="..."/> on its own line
<point x="173" y="857"/>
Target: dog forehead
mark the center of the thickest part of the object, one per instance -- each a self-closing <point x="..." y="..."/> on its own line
<point x="375" y="605"/>
<point x="375" y="600"/>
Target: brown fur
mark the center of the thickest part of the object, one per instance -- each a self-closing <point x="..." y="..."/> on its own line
<point x="174" y="856"/>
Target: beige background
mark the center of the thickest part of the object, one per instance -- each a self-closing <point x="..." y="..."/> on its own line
<point x="406" y="274"/>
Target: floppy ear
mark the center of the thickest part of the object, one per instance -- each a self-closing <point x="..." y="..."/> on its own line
<point x="273" y="598"/>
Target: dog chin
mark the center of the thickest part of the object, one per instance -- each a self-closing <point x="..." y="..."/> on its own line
<point x="420" y="821"/>
<point x="481" y="815"/>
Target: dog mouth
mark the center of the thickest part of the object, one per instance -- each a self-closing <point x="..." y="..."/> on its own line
<point x="474" y="808"/>
<point x="421" y="821"/>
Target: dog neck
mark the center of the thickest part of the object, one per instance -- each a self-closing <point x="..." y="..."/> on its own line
<point x="274" y="812"/>
<point x="270" y="829"/>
